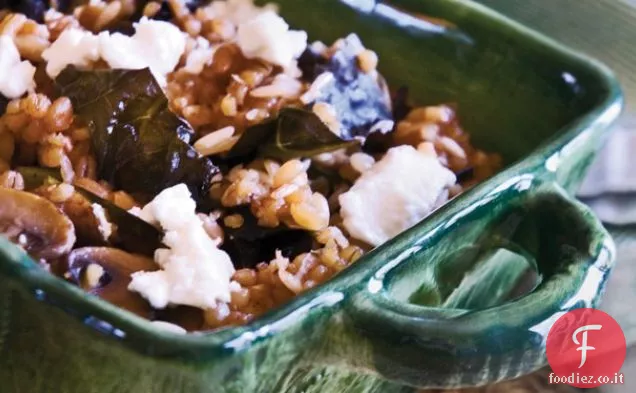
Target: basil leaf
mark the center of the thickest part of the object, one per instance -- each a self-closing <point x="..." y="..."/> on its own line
<point x="139" y="144"/>
<point x="357" y="97"/>
<point x="133" y="234"/>
<point x="35" y="177"/>
<point x="252" y="138"/>
<point x="294" y="133"/>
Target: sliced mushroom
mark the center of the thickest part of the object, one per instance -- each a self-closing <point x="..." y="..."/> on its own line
<point x="83" y="215"/>
<point x="105" y="272"/>
<point x="35" y="223"/>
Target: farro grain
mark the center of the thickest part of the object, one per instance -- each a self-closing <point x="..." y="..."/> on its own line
<point x="229" y="105"/>
<point x="4" y="166"/>
<point x="92" y="186"/>
<point x="438" y="114"/>
<point x="367" y="61"/>
<point x="192" y="26"/>
<point x="234" y="221"/>
<point x="347" y="172"/>
<point x="216" y="142"/>
<point x="311" y="214"/>
<point x="80" y="134"/>
<point x="151" y="9"/>
<point x="288" y="173"/>
<point x="50" y="156"/>
<point x="61" y="193"/>
<point x="66" y="169"/>
<point x="34" y="131"/>
<point x="309" y="284"/>
<point x="15" y="121"/>
<point x="240" y="298"/>
<point x="245" y="277"/>
<point x="59" y="116"/>
<point x="351" y="253"/>
<point x="429" y="132"/>
<point x="11" y="24"/>
<point x="427" y="148"/>
<point x="452" y="147"/>
<point x="108" y="15"/>
<point x="59" y="140"/>
<point x="198" y="115"/>
<point x="123" y="200"/>
<point x="31" y="46"/>
<point x="361" y="162"/>
<point x="319" y="273"/>
<point x="327" y="114"/>
<point x="332" y="233"/>
<point x="11" y="179"/>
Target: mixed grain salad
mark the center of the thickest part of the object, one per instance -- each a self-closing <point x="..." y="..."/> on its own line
<point x="200" y="163"/>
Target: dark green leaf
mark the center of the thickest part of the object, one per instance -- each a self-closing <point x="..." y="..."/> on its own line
<point x="252" y="243"/>
<point x="140" y="145"/>
<point x="35" y="177"/>
<point x="295" y="133"/>
<point x="359" y="100"/>
<point x="134" y="234"/>
<point x="252" y="139"/>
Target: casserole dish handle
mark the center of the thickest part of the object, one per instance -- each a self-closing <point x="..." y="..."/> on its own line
<point x="421" y="333"/>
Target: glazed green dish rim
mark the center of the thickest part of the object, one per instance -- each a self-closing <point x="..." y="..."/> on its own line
<point x="542" y="168"/>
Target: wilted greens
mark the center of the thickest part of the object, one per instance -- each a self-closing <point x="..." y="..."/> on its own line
<point x="133" y="234"/>
<point x="251" y="243"/>
<point x="140" y="146"/>
<point x="294" y="133"/>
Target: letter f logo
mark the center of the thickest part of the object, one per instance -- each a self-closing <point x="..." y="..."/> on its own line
<point x="583" y="345"/>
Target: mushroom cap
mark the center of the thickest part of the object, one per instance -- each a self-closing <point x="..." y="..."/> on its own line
<point x="49" y="232"/>
<point x="118" y="265"/>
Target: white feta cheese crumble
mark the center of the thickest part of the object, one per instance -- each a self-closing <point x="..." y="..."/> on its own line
<point x="394" y="194"/>
<point x="236" y="11"/>
<point x="104" y="226"/>
<point x="156" y="44"/>
<point x="16" y="77"/>
<point x="199" y="57"/>
<point x="73" y="47"/>
<point x="267" y="37"/>
<point x="194" y="272"/>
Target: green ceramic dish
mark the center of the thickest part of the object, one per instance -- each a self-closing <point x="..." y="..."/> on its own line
<point x="392" y="322"/>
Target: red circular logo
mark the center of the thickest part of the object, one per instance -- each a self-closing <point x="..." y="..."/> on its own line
<point x="586" y="349"/>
